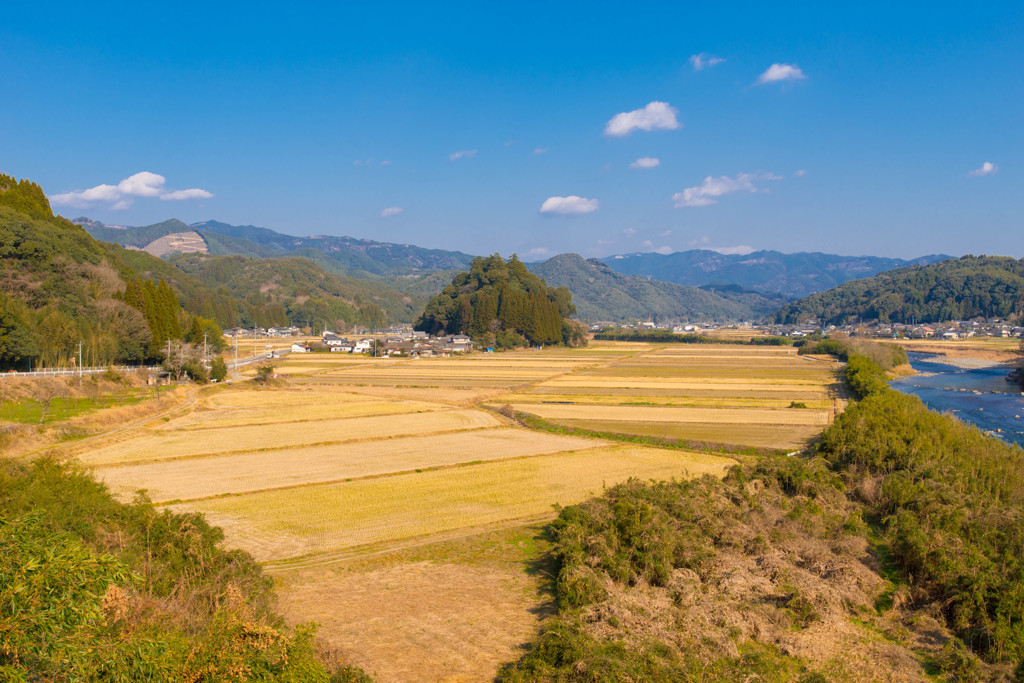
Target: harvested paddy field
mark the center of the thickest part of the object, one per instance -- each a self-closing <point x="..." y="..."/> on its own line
<point x="311" y="520"/>
<point x="375" y="490"/>
<point x="169" y="443"/>
<point x="203" y="477"/>
<point x="733" y="395"/>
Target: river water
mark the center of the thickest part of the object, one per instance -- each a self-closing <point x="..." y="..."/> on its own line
<point x="981" y="396"/>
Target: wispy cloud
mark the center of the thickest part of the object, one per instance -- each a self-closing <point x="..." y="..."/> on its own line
<point x="391" y="211"/>
<point x="569" y="206"/>
<point x="386" y="162"/>
<point x="121" y="196"/>
<point x="659" y="250"/>
<point x="987" y="168"/>
<point x="646" y="162"/>
<point x="780" y="72"/>
<point x="665" y="233"/>
<point x="655" y="116"/>
<point x="704" y="61"/>
<point x="462" y="154"/>
<point x="705" y="241"/>
<point x="537" y="151"/>
<point x="629" y="232"/>
<point x="801" y="173"/>
<point x="711" y="189"/>
<point x="538" y="251"/>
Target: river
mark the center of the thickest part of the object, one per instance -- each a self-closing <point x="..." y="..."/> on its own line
<point x="981" y="395"/>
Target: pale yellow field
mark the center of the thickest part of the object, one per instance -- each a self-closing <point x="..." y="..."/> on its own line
<point x="767" y="416"/>
<point x="275" y="525"/>
<point x="228" y="417"/>
<point x="161" y="445"/>
<point x="253" y="471"/>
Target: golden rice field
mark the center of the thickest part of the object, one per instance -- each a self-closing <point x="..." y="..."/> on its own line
<point x="280" y="468"/>
<point x="275" y="525"/>
<point x="346" y="452"/>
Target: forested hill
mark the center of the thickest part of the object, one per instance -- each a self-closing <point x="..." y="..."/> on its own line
<point x="957" y="289"/>
<point x="600" y="293"/>
<point x="768" y="272"/>
<point x="336" y="254"/>
<point x="60" y="288"/>
<point x="501" y="303"/>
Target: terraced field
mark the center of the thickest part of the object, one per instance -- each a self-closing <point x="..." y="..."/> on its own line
<point x="345" y="460"/>
<point x="732" y="395"/>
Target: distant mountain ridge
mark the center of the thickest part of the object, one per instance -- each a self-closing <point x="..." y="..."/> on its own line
<point x="339" y="254"/>
<point x="769" y="272"/>
<point x="600" y="293"/>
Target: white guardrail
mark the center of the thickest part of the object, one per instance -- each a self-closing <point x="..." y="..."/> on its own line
<point x="67" y="372"/>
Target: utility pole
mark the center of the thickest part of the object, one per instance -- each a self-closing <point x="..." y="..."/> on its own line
<point x="79" y="363"/>
<point x="204" y="349"/>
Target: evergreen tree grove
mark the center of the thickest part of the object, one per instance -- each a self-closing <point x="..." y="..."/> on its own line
<point x="497" y="296"/>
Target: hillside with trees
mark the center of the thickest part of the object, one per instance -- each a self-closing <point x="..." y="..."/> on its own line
<point x="956" y="289"/>
<point x="501" y="302"/>
<point x="601" y="293"/>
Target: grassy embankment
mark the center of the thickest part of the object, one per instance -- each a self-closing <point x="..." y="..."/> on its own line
<point x="896" y="549"/>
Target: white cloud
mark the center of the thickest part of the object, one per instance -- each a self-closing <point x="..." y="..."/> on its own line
<point x="362" y="162"/>
<point x="666" y="233"/>
<point x="646" y="162"/>
<point x="462" y="154"/>
<point x="629" y="232"/>
<point x="740" y="249"/>
<point x="191" y="193"/>
<point x="663" y="250"/>
<point x="647" y="243"/>
<point x="570" y="206"/>
<point x="144" y="184"/>
<point x="391" y="211"/>
<point x="711" y="189"/>
<point x="801" y="173"/>
<point x="655" y="116"/>
<point x="704" y="61"/>
<point x="987" y="168"/>
<point x="386" y="162"/>
<point x="121" y="196"/>
<point x="537" y="151"/>
<point x="538" y="251"/>
<point x="700" y="241"/>
<point x="780" y="72"/>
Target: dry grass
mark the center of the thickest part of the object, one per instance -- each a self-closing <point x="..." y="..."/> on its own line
<point x="766" y="416"/>
<point x="158" y="445"/>
<point x="274" y="525"/>
<point x="211" y="476"/>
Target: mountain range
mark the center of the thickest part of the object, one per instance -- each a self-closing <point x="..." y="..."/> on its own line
<point x="769" y="272"/>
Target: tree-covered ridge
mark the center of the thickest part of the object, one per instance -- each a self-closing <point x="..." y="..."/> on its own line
<point x="957" y="289"/>
<point x="498" y="301"/>
<point x="601" y="293"/>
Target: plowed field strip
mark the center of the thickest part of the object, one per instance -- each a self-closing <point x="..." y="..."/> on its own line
<point x="766" y="416"/>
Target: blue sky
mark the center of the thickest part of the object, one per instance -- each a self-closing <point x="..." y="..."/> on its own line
<point x="349" y="119"/>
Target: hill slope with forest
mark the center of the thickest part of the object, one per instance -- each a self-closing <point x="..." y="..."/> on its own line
<point x="337" y="254"/>
<point x="956" y="289"/>
<point x="768" y="272"/>
<point x="601" y="293"/>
